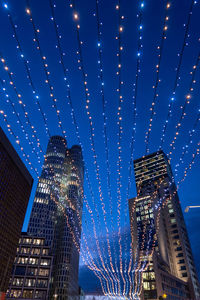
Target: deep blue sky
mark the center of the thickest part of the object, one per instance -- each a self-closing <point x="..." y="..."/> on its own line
<point x="153" y="14"/>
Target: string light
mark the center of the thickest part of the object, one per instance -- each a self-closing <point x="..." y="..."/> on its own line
<point x="183" y="108"/>
<point x="188" y="143"/>
<point x="70" y="101"/>
<point x="134" y="104"/>
<point x="177" y="78"/>
<point x="120" y="131"/>
<point x="19" y="121"/>
<point x="10" y="130"/>
<point x="194" y="156"/>
<point x="20" y="101"/>
<point x="104" y="102"/>
<point x="157" y="81"/>
<point x="27" y="68"/>
<point x="45" y="67"/>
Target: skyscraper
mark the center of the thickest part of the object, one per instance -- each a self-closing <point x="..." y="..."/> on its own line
<point x="164" y="265"/>
<point x="15" y="189"/>
<point x="44" y="211"/>
<point x="68" y="227"/>
<point x="56" y="216"/>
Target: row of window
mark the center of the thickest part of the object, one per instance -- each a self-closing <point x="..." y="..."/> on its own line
<point x="34" y="251"/>
<point x="31" y="241"/>
<point x="30" y="282"/>
<point x="27" y="294"/>
<point x="32" y="261"/>
<point x="31" y="271"/>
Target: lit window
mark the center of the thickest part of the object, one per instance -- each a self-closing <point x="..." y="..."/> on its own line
<point x="33" y="261"/>
<point x="146" y="285"/>
<point x="28" y="294"/>
<point x="35" y="251"/>
<point x="45" y="262"/>
<point x="45" y="251"/>
<point x="18" y="281"/>
<point x="44" y="272"/>
<point x="30" y="282"/>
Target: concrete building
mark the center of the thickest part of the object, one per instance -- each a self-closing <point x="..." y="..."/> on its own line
<point x="164" y="265"/>
<point x="15" y="188"/>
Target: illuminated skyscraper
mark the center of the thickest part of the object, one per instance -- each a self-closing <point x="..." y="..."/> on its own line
<point x="56" y="217"/>
<point x="44" y="211"/>
<point x="162" y="252"/>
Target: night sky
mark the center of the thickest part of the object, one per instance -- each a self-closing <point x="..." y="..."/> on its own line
<point x="148" y="26"/>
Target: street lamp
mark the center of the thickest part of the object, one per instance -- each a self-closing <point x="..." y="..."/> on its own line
<point x="188" y="207"/>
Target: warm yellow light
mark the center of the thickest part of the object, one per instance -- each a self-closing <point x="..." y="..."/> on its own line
<point x="164" y="296"/>
<point x="76" y="16"/>
<point x="28" y="11"/>
<point x="120" y="28"/>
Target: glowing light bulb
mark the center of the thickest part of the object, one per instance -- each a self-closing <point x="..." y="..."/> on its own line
<point x="75" y="16"/>
<point x="5" y="5"/>
<point x="28" y="11"/>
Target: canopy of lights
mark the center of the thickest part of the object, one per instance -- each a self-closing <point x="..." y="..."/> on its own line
<point x="121" y="79"/>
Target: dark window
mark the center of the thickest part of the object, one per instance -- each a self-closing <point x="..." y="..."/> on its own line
<point x="174" y="226"/>
<point x="20" y="270"/>
<point x="181" y="261"/>
<point x="180" y="255"/>
<point x="176" y="237"/>
<point x="178" y="249"/>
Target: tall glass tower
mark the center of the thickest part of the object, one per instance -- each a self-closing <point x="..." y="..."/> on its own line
<point x="44" y="211"/>
<point x="164" y="265"/>
<point x="57" y="213"/>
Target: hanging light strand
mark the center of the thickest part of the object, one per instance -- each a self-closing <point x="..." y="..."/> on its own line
<point x="28" y="72"/>
<point x="134" y="104"/>
<point x="120" y="131"/>
<point x="65" y="71"/>
<point x="105" y="132"/>
<point x="189" y="167"/>
<point x="177" y="78"/>
<point x="17" y="140"/>
<point x="45" y="67"/>
<point x="92" y="134"/>
<point x="188" y="143"/>
<point x="19" y="121"/>
<point x="20" y="101"/>
<point x="183" y="107"/>
<point x="158" y="80"/>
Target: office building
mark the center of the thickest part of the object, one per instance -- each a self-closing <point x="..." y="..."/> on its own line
<point x="44" y="211"/>
<point x="56" y="218"/>
<point x="164" y="265"/>
<point x="68" y="229"/>
<point x="15" y="188"/>
<point x="31" y="270"/>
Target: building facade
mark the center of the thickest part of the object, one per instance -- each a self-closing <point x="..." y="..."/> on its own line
<point x="164" y="265"/>
<point x="56" y="217"/>
<point x="32" y="269"/>
<point x="15" y="188"/>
